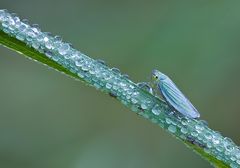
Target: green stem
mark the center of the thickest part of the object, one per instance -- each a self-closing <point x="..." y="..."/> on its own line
<point x="209" y="144"/>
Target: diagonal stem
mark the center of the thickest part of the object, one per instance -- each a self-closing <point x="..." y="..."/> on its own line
<point x="50" y="50"/>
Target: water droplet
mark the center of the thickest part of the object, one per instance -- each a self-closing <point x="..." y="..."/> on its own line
<point x="125" y="76"/>
<point x="49" y="45"/>
<point x="135" y="94"/>
<point x="97" y="86"/>
<point x="172" y="128"/>
<point x="194" y="133"/>
<point x="57" y="38"/>
<point x="115" y="87"/>
<point x="129" y="92"/>
<point x="215" y="141"/>
<point x="35" y="28"/>
<point x="45" y="39"/>
<point x="30" y="35"/>
<point x="156" y="109"/>
<point x="85" y="67"/>
<point x="145" y="115"/>
<point x="154" y="120"/>
<point x="116" y="70"/>
<point x="208" y="135"/>
<point x="81" y="74"/>
<point x="204" y="122"/>
<point x="79" y="62"/>
<point x="233" y="158"/>
<point x="238" y="162"/>
<point x="219" y="148"/>
<point x="122" y="84"/>
<point x="228" y="144"/>
<point x="184" y="130"/>
<point x="3" y="14"/>
<point x="134" y="108"/>
<point x="92" y="70"/>
<point x="25" y="21"/>
<point x="22" y="27"/>
<point x="35" y="45"/>
<point x="101" y="61"/>
<point x="144" y="106"/>
<point x="233" y="165"/>
<point x="63" y="49"/>
<point x="49" y="54"/>
<point x="199" y="128"/>
<point x="206" y="150"/>
<point x="108" y="86"/>
<point x="238" y="155"/>
<point x="168" y="121"/>
<point x="134" y="101"/>
<point x="184" y="122"/>
<point x="128" y="97"/>
<point x="55" y="58"/>
<point x="209" y="145"/>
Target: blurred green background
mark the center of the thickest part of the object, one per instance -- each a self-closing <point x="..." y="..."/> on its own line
<point x="48" y="120"/>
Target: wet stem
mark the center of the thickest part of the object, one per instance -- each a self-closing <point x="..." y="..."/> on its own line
<point x="207" y="143"/>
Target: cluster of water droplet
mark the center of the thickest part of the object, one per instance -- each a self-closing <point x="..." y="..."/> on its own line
<point x="110" y="80"/>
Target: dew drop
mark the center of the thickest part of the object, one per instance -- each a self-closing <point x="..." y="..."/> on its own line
<point x="45" y="39"/>
<point x="116" y="70"/>
<point x="208" y="135"/>
<point x="209" y="145"/>
<point x="233" y="158"/>
<point x="143" y="106"/>
<point x="81" y="74"/>
<point x="194" y="133"/>
<point x="134" y="101"/>
<point x="20" y="37"/>
<point x="172" y="128"/>
<point x="108" y="86"/>
<point x="206" y="150"/>
<point x="49" y="45"/>
<point x="35" y="28"/>
<point x="238" y="154"/>
<point x="156" y="110"/>
<point x="168" y="121"/>
<point x="204" y="122"/>
<point x="219" y="148"/>
<point x="199" y="128"/>
<point x="125" y="76"/>
<point x="145" y="116"/>
<point x="101" y="61"/>
<point x="134" y="108"/>
<point x="115" y="87"/>
<point x="55" y="58"/>
<point x="184" y="122"/>
<point x="49" y="54"/>
<point x="184" y="130"/>
<point x="79" y="62"/>
<point x="63" y="49"/>
<point x="215" y="141"/>
<point x="97" y="85"/>
<point x="85" y="67"/>
<point x="154" y="120"/>
<point x="227" y="143"/>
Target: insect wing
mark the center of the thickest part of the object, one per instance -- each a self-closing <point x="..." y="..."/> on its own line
<point x="176" y="98"/>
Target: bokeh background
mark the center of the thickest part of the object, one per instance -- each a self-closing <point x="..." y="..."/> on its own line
<point x="50" y="120"/>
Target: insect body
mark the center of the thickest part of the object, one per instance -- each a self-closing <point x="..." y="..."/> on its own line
<point x="164" y="86"/>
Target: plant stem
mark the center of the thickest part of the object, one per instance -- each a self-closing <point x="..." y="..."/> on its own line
<point x="52" y="51"/>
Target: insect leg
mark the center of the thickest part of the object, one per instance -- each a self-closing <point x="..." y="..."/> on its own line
<point x="146" y="86"/>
